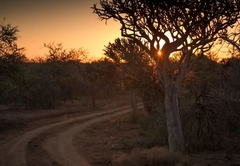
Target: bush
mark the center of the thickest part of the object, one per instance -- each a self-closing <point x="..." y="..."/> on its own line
<point x="156" y="156"/>
<point x="153" y="130"/>
<point x="138" y="116"/>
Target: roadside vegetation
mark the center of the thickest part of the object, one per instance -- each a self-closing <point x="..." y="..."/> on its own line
<point x="154" y="156"/>
<point x="60" y="76"/>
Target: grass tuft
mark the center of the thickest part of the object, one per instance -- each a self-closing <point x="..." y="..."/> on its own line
<point x="156" y="156"/>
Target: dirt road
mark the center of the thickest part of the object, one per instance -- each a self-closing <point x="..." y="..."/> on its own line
<point x="55" y="140"/>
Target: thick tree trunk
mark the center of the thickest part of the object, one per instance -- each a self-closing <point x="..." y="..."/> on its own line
<point x="174" y="127"/>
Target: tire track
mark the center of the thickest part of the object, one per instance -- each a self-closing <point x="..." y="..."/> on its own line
<point x="66" y="154"/>
<point x="13" y="152"/>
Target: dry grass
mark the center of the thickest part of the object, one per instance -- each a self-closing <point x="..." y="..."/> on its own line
<point x="156" y="156"/>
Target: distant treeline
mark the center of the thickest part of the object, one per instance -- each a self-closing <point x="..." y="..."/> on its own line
<point x="43" y="83"/>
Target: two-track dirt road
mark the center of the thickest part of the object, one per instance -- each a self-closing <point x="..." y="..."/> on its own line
<point x="56" y="141"/>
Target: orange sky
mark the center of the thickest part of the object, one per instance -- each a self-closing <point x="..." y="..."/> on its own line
<point x="70" y="22"/>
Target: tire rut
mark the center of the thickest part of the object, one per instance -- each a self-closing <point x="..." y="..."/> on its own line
<point x="59" y="147"/>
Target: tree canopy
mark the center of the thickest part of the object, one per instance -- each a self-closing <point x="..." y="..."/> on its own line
<point x="182" y="25"/>
<point x="189" y="27"/>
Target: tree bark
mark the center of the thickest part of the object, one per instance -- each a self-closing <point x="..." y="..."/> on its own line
<point x="175" y="133"/>
<point x="133" y="99"/>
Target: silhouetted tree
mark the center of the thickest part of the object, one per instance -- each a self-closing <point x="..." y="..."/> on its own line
<point x="189" y="27"/>
<point x="12" y="60"/>
<point x="100" y="79"/>
<point x="62" y="70"/>
<point x="138" y="71"/>
<point x="10" y="54"/>
<point x="213" y="121"/>
<point x="232" y="40"/>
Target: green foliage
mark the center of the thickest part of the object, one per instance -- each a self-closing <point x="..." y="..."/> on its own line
<point x="156" y="156"/>
<point x="102" y="77"/>
<point x="137" y="116"/>
<point x="153" y="130"/>
<point x="12" y="60"/>
<point x="138" y="71"/>
<point x="212" y="122"/>
<point x="60" y="76"/>
<point x="56" y="78"/>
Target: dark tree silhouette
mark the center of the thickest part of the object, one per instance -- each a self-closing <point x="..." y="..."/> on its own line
<point x="10" y="53"/>
<point x="187" y="26"/>
<point x="138" y="72"/>
<point x="232" y="40"/>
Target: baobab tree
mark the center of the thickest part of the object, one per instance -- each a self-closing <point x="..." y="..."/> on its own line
<point x="188" y="27"/>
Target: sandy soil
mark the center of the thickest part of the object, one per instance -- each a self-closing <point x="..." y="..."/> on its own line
<point x="47" y="134"/>
<point x="103" y="142"/>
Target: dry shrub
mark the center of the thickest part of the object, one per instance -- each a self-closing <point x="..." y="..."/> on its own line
<point x="138" y="116"/>
<point x="152" y="131"/>
<point x="156" y="156"/>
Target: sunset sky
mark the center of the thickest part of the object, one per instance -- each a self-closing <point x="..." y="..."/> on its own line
<point x="70" y="22"/>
